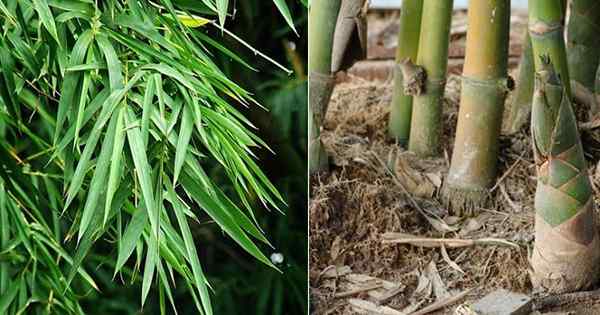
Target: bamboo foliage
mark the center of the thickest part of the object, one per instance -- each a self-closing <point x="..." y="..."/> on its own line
<point x="566" y="252"/>
<point x="408" y="46"/>
<point x="484" y="87"/>
<point x="110" y="112"/>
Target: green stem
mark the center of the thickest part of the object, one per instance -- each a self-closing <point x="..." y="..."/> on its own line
<point x="583" y="42"/>
<point x="426" y="121"/>
<point x="521" y="103"/>
<point x="322" y="19"/>
<point x="546" y="31"/>
<point x="408" y="46"/>
<point x="484" y="87"/>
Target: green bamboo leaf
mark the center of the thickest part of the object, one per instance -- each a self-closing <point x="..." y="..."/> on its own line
<point x="222" y="10"/>
<point x="7" y="298"/>
<point x="142" y="169"/>
<point x="147" y="109"/>
<point x="223" y="219"/>
<point x="132" y="235"/>
<point x="98" y="184"/>
<point x="200" y="279"/>
<point x="185" y="134"/>
<point x="109" y="105"/>
<point x="81" y="109"/>
<point x="69" y="85"/>
<point x="115" y="162"/>
<point x="285" y="12"/>
<point x="112" y="61"/>
<point x="149" y="266"/>
<point x="43" y="10"/>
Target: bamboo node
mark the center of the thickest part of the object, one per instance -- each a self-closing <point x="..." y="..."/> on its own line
<point x="414" y="77"/>
<point x="540" y="28"/>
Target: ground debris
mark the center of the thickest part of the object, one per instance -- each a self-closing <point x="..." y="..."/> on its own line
<point x="502" y="302"/>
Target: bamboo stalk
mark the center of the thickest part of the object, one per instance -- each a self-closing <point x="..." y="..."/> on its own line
<point x="583" y="42"/>
<point x="520" y="107"/>
<point x="426" y="120"/>
<point x="408" y="46"/>
<point x="484" y="87"/>
<point x="546" y="30"/>
<point x="322" y="17"/>
<point x="566" y="252"/>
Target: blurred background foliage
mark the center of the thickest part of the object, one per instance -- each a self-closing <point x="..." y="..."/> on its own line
<point x="242" y="284"/>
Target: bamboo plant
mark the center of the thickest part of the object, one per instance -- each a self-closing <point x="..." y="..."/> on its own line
<point x="350" y="36"/>
<point x="408" y="46"/>
<point x="520" y="108"/>
<point x="426" y="120"/>
<point x="322" y="20"/>
<point x="484" y="87"/>
<point x="111" y="113"/>
<point x="583" y="42"/>
<point x="566" y="253"/>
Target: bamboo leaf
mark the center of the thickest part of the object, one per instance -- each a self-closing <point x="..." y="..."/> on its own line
<point x="99" y="179"/>
<point x="149" y="266"/>
<point x="142" y="169"/>
<point x="185" y="134"/>
<point x="200" y="279"/>
<point x="70" y="82"/>
<point x="132" y="234"/>
<point x="285" y="12"/>
<point x="222" y="219"/>
<point x="115" y="162"/>
<point x="112" y="61"/>
<point x="41" y="6"/>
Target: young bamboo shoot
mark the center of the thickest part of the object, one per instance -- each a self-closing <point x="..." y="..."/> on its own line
<point x="566" y="254"/>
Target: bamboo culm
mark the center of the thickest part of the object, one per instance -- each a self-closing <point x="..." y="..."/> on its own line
<point x="520" y="108"/>
<point x="583" y="42"/>
<point x="426" y="120"/>
<point x="322" y="16"/>
<point x="408" y="46"/>
<point x="484" y="87"/>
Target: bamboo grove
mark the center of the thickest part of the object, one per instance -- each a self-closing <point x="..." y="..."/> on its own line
<point x="559" y="71"/>
<point x="109" y="113"/>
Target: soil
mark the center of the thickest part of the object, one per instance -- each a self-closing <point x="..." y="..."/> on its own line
<point x="376" y="187"/>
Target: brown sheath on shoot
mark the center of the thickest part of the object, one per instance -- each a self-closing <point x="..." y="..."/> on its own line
<point x="566" y="254"/>
<point x="350" y="39"/>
